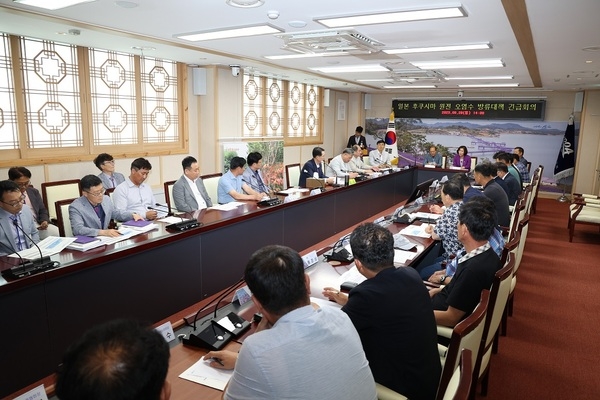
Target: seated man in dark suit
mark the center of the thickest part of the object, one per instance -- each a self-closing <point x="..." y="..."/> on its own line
<point x="33" y="199"/>
<point x="313" y="168"/>
<point x="392" y="313"/>
<point x="475" y="270"/>
<point x="484" y="176"/>
<point x="90" y="214"/>
<point x="16" y="221"/>
<point x="118" y="360"/>
<point x="513" y="189"/>
<point x="189" y="192"/>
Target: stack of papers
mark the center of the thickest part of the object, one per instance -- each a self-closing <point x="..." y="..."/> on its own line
<point x="416" y="230"/>
<point x="141" y="226"/>
<point x="84" y="243"/>
<point x="49" y="246"/>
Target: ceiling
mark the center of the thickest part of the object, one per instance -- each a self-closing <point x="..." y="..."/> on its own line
<point x="540" y="42"/>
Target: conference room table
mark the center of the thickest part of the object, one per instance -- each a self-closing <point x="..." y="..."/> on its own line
<point x="153" y="276"/>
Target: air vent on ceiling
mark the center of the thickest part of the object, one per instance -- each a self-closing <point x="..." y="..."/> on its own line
<point x="416" y="75"/>
<point x="329" y="41"/>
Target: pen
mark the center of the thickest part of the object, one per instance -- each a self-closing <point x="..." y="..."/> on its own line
<point x="218" y="361"/>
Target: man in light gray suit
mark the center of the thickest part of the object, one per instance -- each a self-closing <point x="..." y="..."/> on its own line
<point x="12" y="213"/>
<point x="189" y="192"/>
<point x="91" y="213"/>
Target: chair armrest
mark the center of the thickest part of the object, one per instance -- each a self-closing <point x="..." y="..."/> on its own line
<point x="385" y="393"/>
<point x="444" y="331"/>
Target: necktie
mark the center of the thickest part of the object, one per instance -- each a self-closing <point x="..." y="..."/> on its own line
<point x="15" y="222"/>
<point x="112" y="180"/>
<point x="100" y="213"/>
<point x="261" y="185"/>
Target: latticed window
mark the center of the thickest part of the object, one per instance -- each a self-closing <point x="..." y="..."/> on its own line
<point x="8" y="115"/>
<point x="76" y="101"/>
<point x="274" y="108"/>
<point x="50" y="73"/>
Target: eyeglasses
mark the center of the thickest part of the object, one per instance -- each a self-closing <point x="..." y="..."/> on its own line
<point x="23" y="184"/>
<point x="108" y="162"/>
<point x="16" y="203"/>
<point x="96" y="193"/>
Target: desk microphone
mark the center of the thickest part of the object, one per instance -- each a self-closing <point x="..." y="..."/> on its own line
<point x="24" y="267"/>
<point x="215" y="336"/>
<point x="184" y="225"/>
<point x="39" y="264"/>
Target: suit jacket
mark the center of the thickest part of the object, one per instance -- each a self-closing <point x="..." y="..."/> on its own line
<point x="308" y="170"/>
<point x="513" y="189"/>
<point x="106" y="182"/>
<point x="184" y="197"/>
<point x="466" y="161"/>
<point x="38" y="204"/>
<point x="362" y="141"/>
<point x="85" y="221"/>
<point x="7" y="238"/>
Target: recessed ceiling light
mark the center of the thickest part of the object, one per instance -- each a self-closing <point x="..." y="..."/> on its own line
<point x="390" y="17"/>
<point x="488" y="78"/>
<point x="410" y="87"/>
<point x="455" y="47"/>
<point x="245" y="3"/>
<point x="305" y="55"/>
<point x="126" y="4"/>
<point x="449" y="64"/>
<point x="351" y="68"/>
<point x="52" y="4"/>
<point x="254" y="30"/>
<point x="490" y="85"/>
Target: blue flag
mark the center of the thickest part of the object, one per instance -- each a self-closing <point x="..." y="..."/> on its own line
<point x="565" y="162"/>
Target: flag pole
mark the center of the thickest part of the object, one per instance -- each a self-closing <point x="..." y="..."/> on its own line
<point x="563" y="198"/>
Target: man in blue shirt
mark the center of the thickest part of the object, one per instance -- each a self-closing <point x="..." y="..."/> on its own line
<point x="433" y="157"/>
<point x="232" y="187"/>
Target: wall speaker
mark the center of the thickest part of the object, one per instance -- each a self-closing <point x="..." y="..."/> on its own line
<point x="578" y="106"/>
<point x="199" y="81"/>
<point x="367" y="101"/>
<point x="326" y="98"/>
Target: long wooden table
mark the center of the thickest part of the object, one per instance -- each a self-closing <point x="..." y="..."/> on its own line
<point x="155" y="275"/>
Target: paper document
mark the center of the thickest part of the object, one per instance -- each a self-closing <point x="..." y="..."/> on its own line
<point x="416" y="230"/>
<point x="201" y="372"/>
<point x="171" y="220"/>
<point x="292" y="191"/>
<point x="401" y="256"/>
<point x="229" y="206"/>
<point x="352" y="275"/>
<point x="49" y="246"/>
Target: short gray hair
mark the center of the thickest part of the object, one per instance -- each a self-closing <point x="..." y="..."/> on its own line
<point x="348" y="150"/>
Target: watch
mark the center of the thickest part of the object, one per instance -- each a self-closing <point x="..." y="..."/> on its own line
<point x="443" y="278"/>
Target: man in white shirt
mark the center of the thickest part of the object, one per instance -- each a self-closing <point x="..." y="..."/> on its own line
<point x="358" y="165"/>
<point x="134" y="195"/>
<point x="340" y="164"/>
<point x="380" y="158"/>
<point x="189" y="192"/>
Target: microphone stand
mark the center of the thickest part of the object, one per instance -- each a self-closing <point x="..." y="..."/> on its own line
<point x="37" y="265"/>
<point x="215" y="336"/>
<point x="184" y="225"/>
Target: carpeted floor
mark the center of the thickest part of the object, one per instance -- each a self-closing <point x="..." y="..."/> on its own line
<point x="552" y="349"/>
